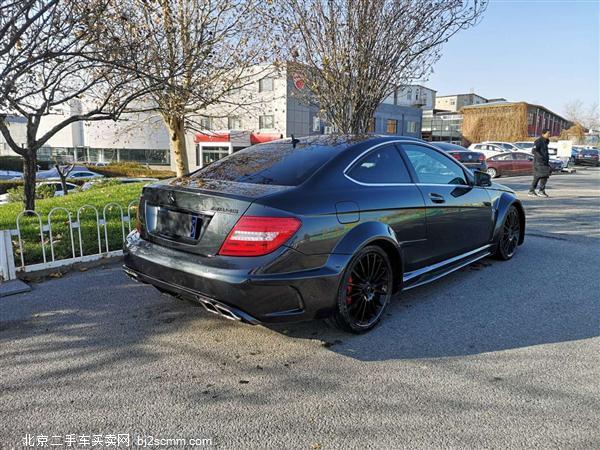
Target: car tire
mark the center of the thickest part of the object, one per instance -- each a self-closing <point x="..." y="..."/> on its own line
<point x="510" y="235"/>
<point x="364" y="292"/>
<point x="492" y="172"/>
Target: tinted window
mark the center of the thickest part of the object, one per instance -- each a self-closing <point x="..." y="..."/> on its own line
<point x="433" y="167"/>
<point x="382" y="165"/>
<point x="278" y="163"/>
<point x="505" y="157"/>
<point x="523" y="156"/>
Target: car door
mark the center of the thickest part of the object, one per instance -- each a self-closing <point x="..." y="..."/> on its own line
<point x="458" y="214"/>
<point x="388" y="194"/>
<point x="523" y="163"/>
<point x="504" y="164"/>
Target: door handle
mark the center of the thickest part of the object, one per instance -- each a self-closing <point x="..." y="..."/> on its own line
<point x="436" y="198"/>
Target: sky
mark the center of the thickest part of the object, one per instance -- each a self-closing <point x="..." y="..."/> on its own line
<point x="540" y="51"/>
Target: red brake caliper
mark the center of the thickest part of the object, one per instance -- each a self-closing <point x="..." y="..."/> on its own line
<point x="349" y="292"/>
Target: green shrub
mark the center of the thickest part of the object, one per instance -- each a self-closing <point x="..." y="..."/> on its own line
<point x="17" y="194"/>
<point x="6" y="185"/>
<point x="130" y="169"/>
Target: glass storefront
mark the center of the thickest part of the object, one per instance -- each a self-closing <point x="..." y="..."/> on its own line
<point x="158" y="157"/>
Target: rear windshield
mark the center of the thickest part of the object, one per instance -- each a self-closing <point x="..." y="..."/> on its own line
<point x="589" y="152"/>
<point x="279" y="163"/>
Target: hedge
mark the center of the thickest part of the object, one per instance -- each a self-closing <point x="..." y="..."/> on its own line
<point x="5" y="185"/>
<point x="130" y="169"/>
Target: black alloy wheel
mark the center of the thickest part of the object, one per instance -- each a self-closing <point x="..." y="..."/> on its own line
<point x="365" y="291"/>
<point x="510" y="235"/>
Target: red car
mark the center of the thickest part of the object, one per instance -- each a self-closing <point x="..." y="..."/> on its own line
<point x="511" y="163"/>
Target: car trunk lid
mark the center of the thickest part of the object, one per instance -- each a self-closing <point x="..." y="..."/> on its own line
<point x="196" y="215"/>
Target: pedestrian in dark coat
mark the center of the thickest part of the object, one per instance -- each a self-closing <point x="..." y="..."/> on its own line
<point x="541" y="165"/>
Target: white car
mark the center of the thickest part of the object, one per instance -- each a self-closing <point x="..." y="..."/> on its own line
<point x="488" y="149"/>
<point x="58" y="190"/>
<point x="525" y="146"/>
<point x="506" y="145"/>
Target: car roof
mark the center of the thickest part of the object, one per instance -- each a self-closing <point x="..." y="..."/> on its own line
<point x="349" y="139"/>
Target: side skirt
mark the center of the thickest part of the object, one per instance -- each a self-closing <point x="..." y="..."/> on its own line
<point x="436" y="271"/>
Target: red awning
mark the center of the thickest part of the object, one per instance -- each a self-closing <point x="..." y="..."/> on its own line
<point x="259" y="138"/>
<point x="225" y="136"/>
<point x="212" y="137"/>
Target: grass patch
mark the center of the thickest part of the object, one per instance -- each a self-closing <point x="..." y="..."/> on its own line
<point x="97" y="197"/>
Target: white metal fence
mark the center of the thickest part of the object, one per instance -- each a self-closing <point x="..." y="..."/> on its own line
<point x="49" y="232"/>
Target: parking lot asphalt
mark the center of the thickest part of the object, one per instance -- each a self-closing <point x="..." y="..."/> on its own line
<point x="499" y="354"/>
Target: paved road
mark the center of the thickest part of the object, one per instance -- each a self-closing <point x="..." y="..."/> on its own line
<point x="496" y="355"/>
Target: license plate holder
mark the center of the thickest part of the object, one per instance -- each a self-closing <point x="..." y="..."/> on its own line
<point x="178" y="225"/>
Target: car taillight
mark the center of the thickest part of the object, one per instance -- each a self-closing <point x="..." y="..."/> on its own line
<point x="481" y="157"/>
<point x="256" y="236"/>
<point x="456" y="155"/>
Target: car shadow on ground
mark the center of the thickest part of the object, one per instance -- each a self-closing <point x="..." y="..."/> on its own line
<point x="486" y="307"/>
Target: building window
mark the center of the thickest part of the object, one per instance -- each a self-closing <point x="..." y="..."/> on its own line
<point x="266" y="122"/>
<point x="210" y="154"/>
<point x="206" y="123"/>
<point x="392" y="126"/>
<point x="371" y="128"/>
<point x="453" y="101"/>
<point x="316" y="127"/>
<point x="409" y="94"/>
<point x="265" y="84"/>
<point x="410" y="126"/>
<point x="234" y="123"/>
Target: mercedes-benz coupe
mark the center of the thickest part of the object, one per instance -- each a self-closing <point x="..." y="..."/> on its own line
<point x="321" y="227"/>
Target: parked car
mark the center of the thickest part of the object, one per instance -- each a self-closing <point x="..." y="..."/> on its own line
<point x="84" y="174"/>
<point x="472" y="160"/>
<point x="58" y="190"/>
<point x="516" y="163"/>
<point x="488" y="150"/>
<point x="77" y="172"/>
<point x="10" y="175"/>
<point x="588" y="157"/>
<point x="524" y="146"/>
<point x="506" y="145"/>
<point x="319" y="227"/>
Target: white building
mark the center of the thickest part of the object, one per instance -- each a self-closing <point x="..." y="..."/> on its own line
<point x="139" y="137"/>
<point x="414" y="96"/>
<point x="456" y="101"/>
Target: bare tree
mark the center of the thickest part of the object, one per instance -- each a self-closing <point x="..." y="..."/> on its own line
<point x="48" y="63"/>
<point x="354" y="53"/>
<point x="587" y="116"/>
<point x="207" y="51"/>
<point x="63" y="172"/>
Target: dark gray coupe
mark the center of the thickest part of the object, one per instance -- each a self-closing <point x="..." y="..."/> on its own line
<point x="320" y="227"/>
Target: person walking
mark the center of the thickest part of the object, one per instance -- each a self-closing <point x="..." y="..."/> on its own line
<point x="541" y="165"/>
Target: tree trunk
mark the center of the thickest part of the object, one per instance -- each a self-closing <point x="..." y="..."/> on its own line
<point x="63" y="178"/>
<point x="63" y="183"/>
<point x="176" y="129"/>
<point x="29" y="171"/>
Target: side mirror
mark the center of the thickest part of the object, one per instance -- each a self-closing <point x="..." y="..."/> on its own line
<point x="482" y="179"/>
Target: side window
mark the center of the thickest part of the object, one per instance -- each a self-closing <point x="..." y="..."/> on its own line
<point x="432" y="167"/>
<point x="522" y="156"/>
<point x="504" y="157"/>
<point x="382" y="165"/>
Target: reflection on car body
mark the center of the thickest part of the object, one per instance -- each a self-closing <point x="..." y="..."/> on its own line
<point x="320" y="227"/>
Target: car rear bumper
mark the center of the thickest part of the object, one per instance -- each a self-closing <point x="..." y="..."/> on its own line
<point x="237" y="292"/>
